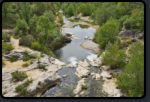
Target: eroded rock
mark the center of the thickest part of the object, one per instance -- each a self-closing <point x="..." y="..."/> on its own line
<point x="82" y="72"/>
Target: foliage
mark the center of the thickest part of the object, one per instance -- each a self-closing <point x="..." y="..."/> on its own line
<point x="107" y="33"/>
<point x="60" y="18"/>
<point x="22" y="89"/>
<point x="3" y="61"/>
<point x="26" y="40"/>
<point x="26" y="56"/>
<point x="70" y="10"/>
<point x="50" y="15"/>
<point x="6" y="47"/>
<point x="84" y="86"/>
<point x="122" y="19"/>
<point x="19" y="76"/>
<point x="114" y="57"/>
<point x="132" y="80"/>
<point x="137" y="47"/>
<point x="42" y="67"/>
<point x="36" y="46"/>
<point x="33" y="23"/>
<point x="13" y="58"/>
<point x="25" y="64"/>
<point x="105" y="12"/>
<point x="5" y="37"/>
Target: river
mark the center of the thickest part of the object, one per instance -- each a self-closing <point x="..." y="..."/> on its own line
<point x="72" y="53"/>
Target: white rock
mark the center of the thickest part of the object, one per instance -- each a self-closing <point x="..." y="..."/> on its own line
<point x="106" y="75"/>
<point x="64" y="76"/>
<point x="82" y="72"/>
<point x="84" y="64"/>
<point x="79" y="86"/>
<point x="69" y="66"/>
<point x="96" y="62"/>
<point x="104" y="68"/>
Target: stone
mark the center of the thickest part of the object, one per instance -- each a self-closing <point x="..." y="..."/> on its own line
<point x="76" y="18"/>
<point x="105" y="75"/>
<point x="86" y="37"/>
<point x="69" y="66"/>
<point x="127" y="33"/>
<point x="82" y="72"/>
<point x="66" y="39"/>
<point x="82" y="93"/>
<point x="84" y="64"/>
<point x="96" y="76"/>
<point x="91" y="46"/>
<point x="96" y="62"/>
<point x="90" y="38"/>
<point x="79" y="86"/>
<point x="105" y="68"/>
<point x="64" y="76"/>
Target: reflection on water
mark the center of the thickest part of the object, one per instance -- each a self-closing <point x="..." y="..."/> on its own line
<point x="81" y="26"/>
<point x="73" y="61"/>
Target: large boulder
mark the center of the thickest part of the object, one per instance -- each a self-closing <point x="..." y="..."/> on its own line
<point x="82" y="72"/>
<point x="105" y="68"/>
<point x="96" y="62"/>
<point x="66" y="39"/>
<point x="127" y="33"/>
<point x="79" y="86"/>
<point x="84" y="64"/>
<point x="96" y="76"/>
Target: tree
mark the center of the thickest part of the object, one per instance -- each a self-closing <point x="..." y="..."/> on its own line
<point x="107" y="33"/>
<point x="33" y="23"/>
<point x="50" y="15"/>
<point x="5" y="8"/>
<point x="25" y="12"/>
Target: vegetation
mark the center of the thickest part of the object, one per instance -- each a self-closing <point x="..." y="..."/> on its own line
<point x="5" y="37"/>
<point x="42" y="67"/>
<point x="19" y="76"/>
<point x="3" y="61"/>
<point x="6" y="47"/>
<point x="114" y="57"/>
<point x="84" y="86"/>
<point x="22" y="89"/>
<point x="13" y="58"/>
<point x="25" y="64"/>
<point x="132" y="80"/>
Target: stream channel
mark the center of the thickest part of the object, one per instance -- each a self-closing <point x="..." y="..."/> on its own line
<point x="72" y="53"/>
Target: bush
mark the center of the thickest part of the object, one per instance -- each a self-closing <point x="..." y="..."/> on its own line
<point x="137" y="47"/>
<point x="31" y="61"/>
<point x="115" y="58"/>
<point x="19" y="76"/>
<point x="6" y="37"/>
<point x="25" y="64"/>
<point x="42" y="67"/>
<point x="6" y="47"/>
<point x="13" y="58"/>
<point x="22" y="89"/>
<point x="107" y="33"/>
<point x="26" y="40"/>
<point x="132" y="80"/>
<point x="36" y="46"/>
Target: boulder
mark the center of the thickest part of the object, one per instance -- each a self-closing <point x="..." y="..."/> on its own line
<point x="96" y="62"/>
<point x="76" y="18"/>
<point x="105" y="75"/>
<point x="66" y="39"/>
<point x="82" y="72"/>
<point x="90" y="38"/>
<point x="68" y="34"/>
<point x="96" y="76"/>
<point x="64" y="76"/>
<point x="79" y="86"/>
<point x="69" y="66"/>
<point x="84" y="64"/>
<point x="127" y="33"/>
<point x="86" y="37"/>
<point x="105" y="68"/>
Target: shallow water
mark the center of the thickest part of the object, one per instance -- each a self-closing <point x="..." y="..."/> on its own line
<point x="72" y="53"/>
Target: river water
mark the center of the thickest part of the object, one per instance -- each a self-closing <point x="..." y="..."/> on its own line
<point x="72" y="53"/>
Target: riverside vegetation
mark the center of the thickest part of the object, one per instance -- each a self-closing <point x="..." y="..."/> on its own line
<point x="34" y="23"/>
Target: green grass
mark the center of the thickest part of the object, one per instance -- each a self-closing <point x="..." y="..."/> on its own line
<point x="42" y="67"/>
<point x="22" y="89"/>
<point x="25" y="65"/>
<point x="6" y="47"/>
<point x="19" y="76"/>
<point x="72" y="20"/>
<point x="13" y="58"/>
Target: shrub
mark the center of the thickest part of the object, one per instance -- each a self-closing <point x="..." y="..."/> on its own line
<point x="6" y="37"/>
<point x="25" y="64"/>
<point x="36" y="46"/>
<point x="107" y="33"/>
<point x="137" y="47"/>
<point x="132" y="80"/>
<point x="6" y="47"/>
<point x="13" y="58"/>
<point x="31" y="61"/>
<point x="133" y="40"/>
<point x="22" y="89"/>
<point x="26" y="57"/>
<point x="19" y="76"/>
<point x="115" y="58"/>
<point x="41" y="67"/>
<point x="26" y="40"/>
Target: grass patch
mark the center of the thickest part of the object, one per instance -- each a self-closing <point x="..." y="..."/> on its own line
<point x="13" y="58"/>
<point x="19" y="76"/>
<point x="25" y="64"/>
<point x="42" y="67"/>
<point x="84" y="87"/>
<point x="22" y="89"/>
<point x="6" y="47"/>
<point x="72" y="20"/>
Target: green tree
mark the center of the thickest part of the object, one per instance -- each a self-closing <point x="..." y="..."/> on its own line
<point x="25" y="12"/>
<point x="50" y="15"/>
<point x="107" y="33"/>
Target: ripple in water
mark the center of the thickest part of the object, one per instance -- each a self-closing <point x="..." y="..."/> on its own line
<point x="73" y="61"/>
<point x="91" y="57"/>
